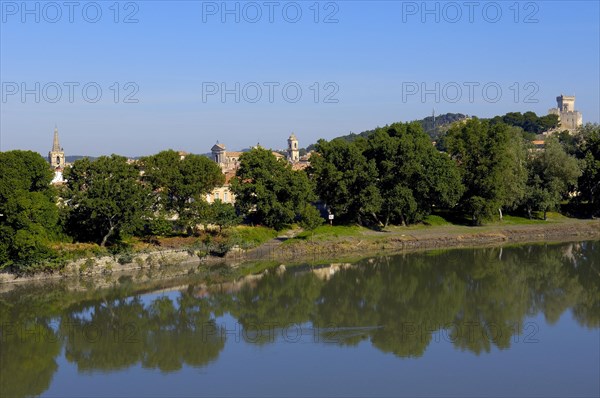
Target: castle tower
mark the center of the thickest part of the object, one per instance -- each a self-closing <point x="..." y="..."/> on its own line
<point x="569" y="118"/>
<point x="293" y="151"/>
<point x="566" y="103"/>
<point x="56" y="156"/>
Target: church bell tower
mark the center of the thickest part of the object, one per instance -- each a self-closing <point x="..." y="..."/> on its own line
<point x="56" y="156"/>
<point x="293" y="150"/>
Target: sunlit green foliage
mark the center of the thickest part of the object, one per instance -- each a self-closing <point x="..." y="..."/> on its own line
<point x="345" y="180"/>
<point x="268" y="191"/>
<point x="223" y="215"/>
<point x="552" y="176"/>
<point x="395" y="175"/>
<point x="310" y="218"/>
<point x="28" y="212"/>
<point x="588" y="151"/>
<point x="105" y="199"/>
<point x="413" y="177"/>
<point x="180" y="185"/>
<point x="250" y="236"/>
<point x="491" y="159"/>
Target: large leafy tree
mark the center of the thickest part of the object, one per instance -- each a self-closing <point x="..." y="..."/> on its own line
<point x="105" y="198"/>
<point x="268" y="191"/>
<point x="28" y="211"/>
<point x="588" y="150"/>
<point x="413" y="175"/>
<point x="552" y="174"/>
<point x="346" y="180"/>
<point x="179" y="183"/>
<point x="223" y="215"/>
<point x="492" y="162"/>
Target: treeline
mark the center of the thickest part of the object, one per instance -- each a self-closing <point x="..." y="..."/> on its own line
<point x="397" y="176"/>
<point x="437" y="126"/>
<point x="528" y="121"/>
<point x="394" y="176"/>
<point x="102" y="202"/>
<point x="433" y="126"/>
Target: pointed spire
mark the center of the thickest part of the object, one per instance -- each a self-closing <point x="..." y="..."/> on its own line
<point x="55" y="144"/>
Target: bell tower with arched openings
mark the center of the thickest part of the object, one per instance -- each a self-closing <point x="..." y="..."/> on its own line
<point x="56" y="156"/>
<point x="293" y="150"/>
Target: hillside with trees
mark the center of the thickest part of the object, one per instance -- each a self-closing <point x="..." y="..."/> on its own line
<point x="433" y="126"/>
<point x="528" y="121"/>
<point x="437" y="126"/>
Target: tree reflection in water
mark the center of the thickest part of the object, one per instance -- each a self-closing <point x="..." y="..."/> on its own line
<point x="474" y="299"/>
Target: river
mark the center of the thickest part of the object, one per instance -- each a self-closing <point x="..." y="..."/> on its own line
<point x="504" y="321"/>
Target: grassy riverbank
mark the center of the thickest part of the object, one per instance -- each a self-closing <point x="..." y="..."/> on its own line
<point x="436" y="232"/>
<point x="70" y="259"/>
<point x="258" y="244"/>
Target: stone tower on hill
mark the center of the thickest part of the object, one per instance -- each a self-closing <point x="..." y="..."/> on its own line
<point x="569" y="118"/>
<point x="56" y="156"/>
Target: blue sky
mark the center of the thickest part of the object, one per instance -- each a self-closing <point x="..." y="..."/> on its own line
<point x="357" y="65"/>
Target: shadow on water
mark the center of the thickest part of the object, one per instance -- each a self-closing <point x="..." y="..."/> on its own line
<point x="476" y="299"/>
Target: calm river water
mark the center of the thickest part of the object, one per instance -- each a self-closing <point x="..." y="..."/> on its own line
<point x="513" y="321"/>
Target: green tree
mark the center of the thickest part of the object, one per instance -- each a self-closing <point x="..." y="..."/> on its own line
<point x="223" y="215"/>
<point x="530" y="123"/>
<point x="310" y="218"/>
<point x="177" y="182"/>
<point x="105" y="199"/>
<point x="28" y="211"/>
<point x="552" y="174"/>
<point x="568" y="141"/>
<point x="588" y="150"/>
<point x="197" y="212"/>
<point x="345" y="180"/>
<point x="548" y="122"/>
<point x="413" y="176"/>
<point x="492" y="162"/>
<point x="268" y="191"/>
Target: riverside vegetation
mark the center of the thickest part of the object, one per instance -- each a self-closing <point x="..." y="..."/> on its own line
<point x="393" y="175"/>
